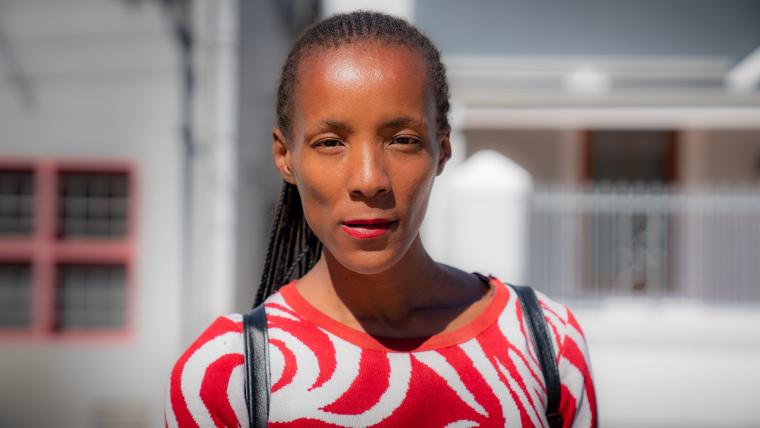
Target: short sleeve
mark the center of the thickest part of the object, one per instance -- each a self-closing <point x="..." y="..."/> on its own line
<point x="578" y="397"/>
<point x="206" y="384"/>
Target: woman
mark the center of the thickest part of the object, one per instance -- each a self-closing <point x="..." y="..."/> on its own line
<point x="373" y="332"/>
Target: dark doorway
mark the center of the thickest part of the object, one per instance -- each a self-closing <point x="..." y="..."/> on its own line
<point x="631" y="156"/>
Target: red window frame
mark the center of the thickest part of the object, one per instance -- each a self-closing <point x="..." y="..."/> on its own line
<point x="44" y="250"/>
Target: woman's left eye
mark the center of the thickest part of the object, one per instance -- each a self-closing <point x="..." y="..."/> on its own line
<point x="405" y="140"/>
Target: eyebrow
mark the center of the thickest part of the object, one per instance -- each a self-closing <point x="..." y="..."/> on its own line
<point x="336" y="125"/>
<point x="398" y="122"/>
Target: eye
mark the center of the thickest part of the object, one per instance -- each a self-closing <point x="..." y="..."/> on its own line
<point x="328" y="144"/>
<point x="405" y="140"/>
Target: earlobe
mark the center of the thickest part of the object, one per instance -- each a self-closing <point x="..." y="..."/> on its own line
<point x="281" y="155"/>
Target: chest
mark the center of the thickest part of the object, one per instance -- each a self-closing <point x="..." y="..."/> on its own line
<point x="319" y="378"/>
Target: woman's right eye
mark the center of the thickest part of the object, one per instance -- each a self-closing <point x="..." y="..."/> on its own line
<point x="328" y="144"/>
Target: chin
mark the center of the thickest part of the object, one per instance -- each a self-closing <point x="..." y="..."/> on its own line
<point x="368" y="262"/>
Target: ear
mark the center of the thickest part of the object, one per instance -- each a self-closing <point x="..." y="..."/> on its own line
<point x="282" y="156"/>
<point x="445" y="154"/>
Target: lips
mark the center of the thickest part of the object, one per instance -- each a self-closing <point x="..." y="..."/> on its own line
<point x="368" y="228"/>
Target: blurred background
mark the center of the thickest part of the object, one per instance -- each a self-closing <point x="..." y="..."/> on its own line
<point x="605" y="152"/>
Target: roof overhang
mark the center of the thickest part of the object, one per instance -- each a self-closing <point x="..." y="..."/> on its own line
<point x="605" y="91"/>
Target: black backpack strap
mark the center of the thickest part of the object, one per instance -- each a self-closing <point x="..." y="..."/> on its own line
<point x="257" y="390"/>
<point x="545" y="351"/>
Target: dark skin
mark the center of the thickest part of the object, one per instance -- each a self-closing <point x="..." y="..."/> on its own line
<point x="363" y="144"/>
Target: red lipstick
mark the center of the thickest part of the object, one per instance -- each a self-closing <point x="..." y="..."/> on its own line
<point x="367" y="228"/>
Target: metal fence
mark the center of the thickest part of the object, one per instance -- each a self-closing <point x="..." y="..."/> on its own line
<point x="646" y="241"/>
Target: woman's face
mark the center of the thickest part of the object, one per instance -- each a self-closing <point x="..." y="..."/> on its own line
<point x="363" y="151"/>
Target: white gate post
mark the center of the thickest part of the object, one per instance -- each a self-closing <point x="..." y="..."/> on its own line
<point x="487" y="217"/>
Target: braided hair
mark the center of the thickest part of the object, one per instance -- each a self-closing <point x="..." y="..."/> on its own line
<point x="293" y="247"/>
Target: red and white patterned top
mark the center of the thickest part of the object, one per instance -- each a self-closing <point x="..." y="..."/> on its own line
<point x="324" y="374"/>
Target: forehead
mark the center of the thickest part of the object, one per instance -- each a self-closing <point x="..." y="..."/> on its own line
<point x="366" y="77"/>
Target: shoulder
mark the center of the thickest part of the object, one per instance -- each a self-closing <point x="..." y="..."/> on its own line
<point x="207" y="381"/>
<point x="205" y="386"/>
<point x="567" y="335"/>
<point x="578" y="398"/>
<point x="560" y="320"/>
<point x="577" y="394"/>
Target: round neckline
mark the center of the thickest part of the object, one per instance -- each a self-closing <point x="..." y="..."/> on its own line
<point x="486" y="318"/>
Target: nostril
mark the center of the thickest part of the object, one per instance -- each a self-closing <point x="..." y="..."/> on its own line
<point x="370" y="192"/>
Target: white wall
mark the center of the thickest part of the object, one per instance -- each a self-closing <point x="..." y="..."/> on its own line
<point x="104" y="75"/>
<point x="674" y="364"/>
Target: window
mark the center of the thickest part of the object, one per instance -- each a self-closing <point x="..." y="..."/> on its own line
<point x="16" y="202"/>
<point x="66" y="245"/>
<point x="90" y="296"/>
<point x="92" y="205"/>
<point x="15" y="295"/>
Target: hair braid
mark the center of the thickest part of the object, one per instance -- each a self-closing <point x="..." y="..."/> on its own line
<point x="293" y="247"/>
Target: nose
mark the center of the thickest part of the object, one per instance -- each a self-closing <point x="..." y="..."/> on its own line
<point x="368" y="176"/>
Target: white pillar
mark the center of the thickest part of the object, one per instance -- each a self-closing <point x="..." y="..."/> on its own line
<point x="488" y="217"/>
<point x="211" y="281"/>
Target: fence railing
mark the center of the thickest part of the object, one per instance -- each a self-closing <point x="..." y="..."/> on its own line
<point x="646" y="241"/>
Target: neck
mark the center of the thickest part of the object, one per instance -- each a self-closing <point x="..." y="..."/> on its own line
<point x="386" y="301"/>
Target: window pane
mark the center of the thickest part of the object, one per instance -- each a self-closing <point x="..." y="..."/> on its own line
<point x="15" y="295"/>
<point x="90" y="296"/>
<point x="16" y="202"/>
<point x="92" y="205"/>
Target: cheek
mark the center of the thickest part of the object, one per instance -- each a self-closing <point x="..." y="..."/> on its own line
<point x="414" y="189"/>
<point x="317" y="191"/>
